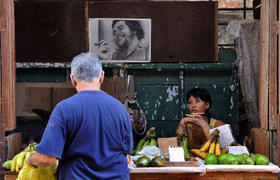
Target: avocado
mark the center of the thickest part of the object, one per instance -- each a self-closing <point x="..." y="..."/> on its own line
<point x="157" y="162"/>
<point x="245" y="155"/>
<point x="231" y="159"/>
<point x="221" y="158"/>
<point x="211" y="159"/>
<point x="143" y="161"/>
<point x="248" y="161"/>
<point x="239" y="158"/>
<point x="261" y="159"/>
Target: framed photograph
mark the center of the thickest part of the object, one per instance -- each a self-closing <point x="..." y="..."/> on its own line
<point x="117" y="40"/>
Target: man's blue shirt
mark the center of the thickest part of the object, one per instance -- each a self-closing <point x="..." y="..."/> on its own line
<point x="91" y="134"/>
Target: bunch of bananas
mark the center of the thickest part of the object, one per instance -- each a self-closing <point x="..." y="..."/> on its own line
<point x="183" y="142"/>
<point x="212" y="146"/>
<point x="20" y="159"/>
<point x="148" y="140"/>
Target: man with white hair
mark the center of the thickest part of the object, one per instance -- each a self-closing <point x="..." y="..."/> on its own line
<point x="90" y="133"/>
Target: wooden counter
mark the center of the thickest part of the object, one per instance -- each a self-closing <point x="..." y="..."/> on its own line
<point x="191" y="176"/>
<point x="207" y="176"/>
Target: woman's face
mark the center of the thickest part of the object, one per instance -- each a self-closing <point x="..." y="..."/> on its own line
<point x="196" y="105"/>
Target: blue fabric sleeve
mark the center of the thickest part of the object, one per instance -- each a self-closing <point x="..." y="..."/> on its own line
<point x="53" y="140"/>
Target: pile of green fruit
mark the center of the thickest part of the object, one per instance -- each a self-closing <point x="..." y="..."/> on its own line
<point x="230" y="159"/>
<point x="20" y="159"/>
<point x="145" y="161"/>
<point x="148" y="140"/>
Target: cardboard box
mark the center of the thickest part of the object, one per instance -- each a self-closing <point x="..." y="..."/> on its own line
<point x="164" y="143"/>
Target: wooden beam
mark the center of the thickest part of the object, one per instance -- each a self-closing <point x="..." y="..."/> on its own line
<point x="8" y="68"/>
<point x="278" y="128"/>
<point x="264" y="65"/>
<point x="273" y="65"/>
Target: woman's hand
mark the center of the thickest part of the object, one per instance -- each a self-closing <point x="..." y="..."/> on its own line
<point x="197" y="119"/>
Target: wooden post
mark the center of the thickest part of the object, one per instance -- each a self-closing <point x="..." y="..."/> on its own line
<point x="8" y="67"/>
<point x="264" y="62"/>
<point x="7" y="73"/>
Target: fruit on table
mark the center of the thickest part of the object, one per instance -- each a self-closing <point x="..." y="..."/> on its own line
<point x="230" y="159"/>
<point x="221" y="158"/>
<point x="248" y="161"/>
<point x="157" y="162"/>
<point x="143" y="161"/>
<point x="239" y="158"/>
<point x="198" y="153"/>
<point x="261" y="159"/>
<point x="244" y="155"/>
<point x="7" y="164"/>
<point x="211" y="159"/>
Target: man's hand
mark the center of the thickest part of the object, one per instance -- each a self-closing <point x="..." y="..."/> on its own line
<point x="40" y="160"/>
<point x="105" y="50"/>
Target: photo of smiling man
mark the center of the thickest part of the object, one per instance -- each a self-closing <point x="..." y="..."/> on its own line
<point x="126" y="40"/>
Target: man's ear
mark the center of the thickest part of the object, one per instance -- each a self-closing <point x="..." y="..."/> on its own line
<point x="73" y="80"/>
<point x="101" y="79"/>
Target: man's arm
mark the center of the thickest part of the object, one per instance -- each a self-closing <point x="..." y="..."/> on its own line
<point x="40" y="160"/>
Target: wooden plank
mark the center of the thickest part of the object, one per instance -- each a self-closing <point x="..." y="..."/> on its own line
<point x="60" y="94"/>
<point x="278" y="91"/>
<point x="8" y="78"/>
<point x="10" y="177"/>
<point x="2" y="141"/>
<point x="264" y="62"/>
<point x="273" y="66"/>
<point x="192" y="176"/>
<point x="261" y="140"/>
<point x="14" y="142"/>
<point x="207" y="176"/>
<point x="58" y="34"/>
<point x="38" y="97"/>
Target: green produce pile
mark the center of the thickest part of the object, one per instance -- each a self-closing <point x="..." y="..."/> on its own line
<point x="148" y="140"/>
<point x="145" y="161"/>
<point x="20" y="159"/>
<point x="18" y="164"/>
<point x="228" y="158"/>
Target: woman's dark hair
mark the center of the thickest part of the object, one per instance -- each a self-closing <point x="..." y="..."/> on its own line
<point x="133" y="26"/>
<point x="202" y="94"/>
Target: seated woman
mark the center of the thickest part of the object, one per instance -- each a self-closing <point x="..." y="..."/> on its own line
<point x="197" y="124"/>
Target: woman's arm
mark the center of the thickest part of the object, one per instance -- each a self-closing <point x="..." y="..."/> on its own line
<point x="202" y="122"/>
<point x="40" y="160"/>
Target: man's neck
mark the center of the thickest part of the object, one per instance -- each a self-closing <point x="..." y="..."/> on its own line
<point x="133" y="44"/>
<point x="83" y="85"/>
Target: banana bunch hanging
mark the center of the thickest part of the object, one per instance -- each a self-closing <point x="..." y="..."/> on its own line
<point x="212" y="146"/>
<point x="20" y="159"/>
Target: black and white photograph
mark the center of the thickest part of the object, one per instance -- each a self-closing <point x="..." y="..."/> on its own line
<point x="120" y="40"/>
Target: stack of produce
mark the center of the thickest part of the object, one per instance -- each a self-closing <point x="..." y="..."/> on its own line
<point x="212" y="146"/>
<point x="148" y="140"/>
<point x="230" y="159"/>
<point x="19" y="160"/>
<point x="145" y="161"/>
<point x="18" y="164"/>
<point x="182" y="138"/>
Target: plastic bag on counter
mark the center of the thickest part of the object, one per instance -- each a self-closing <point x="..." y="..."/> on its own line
<point x="150" y="151"/>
